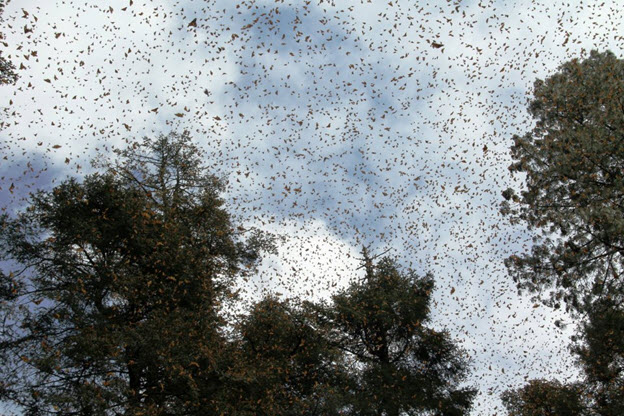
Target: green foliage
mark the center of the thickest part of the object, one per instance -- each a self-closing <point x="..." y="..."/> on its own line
<point x="545" y="398"/>
<point x="368" y="352"/>
<point x="122" y="278"/>
<point x="399" y="365"/>
<point x="114" y="306"/>
<point x="572" y="161"/>
<point x="574" y="193"/>
<point x="285" y="364"/>
<point x="7" y="72"/>
<point x="600" y="353"/>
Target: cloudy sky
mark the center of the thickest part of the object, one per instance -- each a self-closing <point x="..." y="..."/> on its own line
<point x="337" y="123"/>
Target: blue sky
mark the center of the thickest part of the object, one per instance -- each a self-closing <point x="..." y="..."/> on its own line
<point x="338" y="123"/>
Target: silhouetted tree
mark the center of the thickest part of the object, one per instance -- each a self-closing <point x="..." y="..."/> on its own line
<point x="117" y="286"/>
<point x="600" y="353"/>
<point x="398" y="364"/>
<point x="7" y="69"/>
<point x="572" y="161"/>
<point x="285" y="364"/>
<point x="574" y="194"/>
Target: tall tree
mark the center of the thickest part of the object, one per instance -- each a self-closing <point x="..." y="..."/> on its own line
<point x="118" y="282"/>
<point x="574" y="184"/>
<point x="399" y="364"/>
<point x="574" y="194"/>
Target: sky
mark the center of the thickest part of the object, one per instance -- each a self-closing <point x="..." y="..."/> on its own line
<point x="337" y="124"/>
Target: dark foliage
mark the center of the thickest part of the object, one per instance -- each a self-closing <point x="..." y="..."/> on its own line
<point x="114" y="301"/>
<point x="573" y="162"/>
<point x="545" y="398"/>
<point x="7" y="69"/>
<point x="574" y="191"/>
<point x="398" y="364"/>
<point x="117" y="293"/>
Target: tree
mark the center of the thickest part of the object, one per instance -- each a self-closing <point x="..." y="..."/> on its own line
<point x="572" y="161"/>
<point x="399" y="365"/>
<point x="7" y="69"/>
<point x="117" y="288"/>
<point x="600" y="354"/>
<point x="285" y="364"/>
<point x="545" y="398"/>
<point x="113" y="306"/>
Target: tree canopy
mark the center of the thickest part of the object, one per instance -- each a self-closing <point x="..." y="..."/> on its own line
<point x="400" y="365"/>
<point x="600" y="354"/>
<point x="285" y="364"/>
<point x="544" y="398"/>
<point x="114" y="301"/>
<point x="573" y="162"/>
<point x="574" y="183"/>
<point x="118" y="286"/>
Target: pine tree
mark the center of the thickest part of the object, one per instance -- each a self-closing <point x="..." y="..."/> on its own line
<point x="398" y="364"/>
<point x="572" y="161"/>
<point x="285" y="364"/>
<point x="545" y="398"/>
<point x="600" y="354"/>
<point x="574" y="194"/>
<point x="117" y="286"/>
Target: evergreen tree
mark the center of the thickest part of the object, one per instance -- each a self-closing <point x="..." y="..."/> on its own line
<point x="572" y="161"/>
<point x="600" y="353"/>
<point x="399" y="365"/>
<point x="113" y="306"/>
<point x="117" y="286"/>
<point x="285" y="364"/>
<point x="574" y="193"/>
